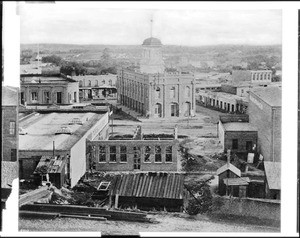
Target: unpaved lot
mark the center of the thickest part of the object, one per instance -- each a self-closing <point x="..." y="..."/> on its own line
<point x="165" y="223"/>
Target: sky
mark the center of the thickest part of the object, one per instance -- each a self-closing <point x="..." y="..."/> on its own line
<point x="88" y="23"/>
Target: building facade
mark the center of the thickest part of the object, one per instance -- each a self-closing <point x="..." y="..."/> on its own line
<point x="253" y="76"/>
<point x="59" y="134"/>
<point x="265" y="115"/>
<point x="10" y="136"/>
<point x="223" y="101"/>
<point x="48" y="89"/>
<point x="92" y="86"/>
<point x="153" y="92"/>
<point x="140" y="153"/>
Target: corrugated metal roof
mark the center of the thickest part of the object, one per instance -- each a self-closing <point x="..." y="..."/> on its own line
<point x="152" y="185"/>
<point x="273" y="174"/>
<point x="55" y="165"/>
<point x="237" y="181"/>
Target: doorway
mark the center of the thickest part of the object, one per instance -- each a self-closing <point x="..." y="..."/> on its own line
<point x="58" y="97"/>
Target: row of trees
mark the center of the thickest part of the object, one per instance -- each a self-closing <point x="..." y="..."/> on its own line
<point x="105" y="65"/>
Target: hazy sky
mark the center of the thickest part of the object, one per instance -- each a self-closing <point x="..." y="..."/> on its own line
<point x="70" y="24"/>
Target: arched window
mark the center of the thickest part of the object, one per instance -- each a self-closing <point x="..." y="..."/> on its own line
<point x="96" y="83"/>
<point x="80" y="83"/>
<point x="157" y="93"/>
<point x="172" y="92"/>
<point x="187" y="92"/>
<point x="110" y="82"/>
<point x="103" y="81"/>
<point x="265" y="76"/>
<point x="260" y="77"/>
<point x="90" y="83"/>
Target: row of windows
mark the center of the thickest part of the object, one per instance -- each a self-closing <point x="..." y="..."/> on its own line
<point x="96" y="83"/>
<point x="136" y="154"/>
<point x="260" y="76"/>
<point x="235" y="145"/>
<point x="187" y="92"/>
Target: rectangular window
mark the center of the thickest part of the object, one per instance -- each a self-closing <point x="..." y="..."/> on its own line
<point x="123" y="154"/>
<point x="102" y="154"/>
<point x="12" y="128"/>
<point x="235" y="144"/>
<point x="112" y="154"/>
<point x="34" y="96"/>
<point x="13" y="155"/>
<point x="158" y="154"/>
<point x="147" y="154"/>
<point x="169" y="154"/>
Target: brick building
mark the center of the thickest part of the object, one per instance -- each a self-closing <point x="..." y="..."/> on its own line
<point x="223" y="101"/>
<point x="48" y="89"/>
<point x="265" y="114"/>
<point x="253" y="76"/>
<point x="153" y="92"/>
<point x="236" y="133"/>
<point x="92" y="86"/>
<point x="144" y="153"/>
<point x="9" y="141"/>
<point x="61" y="134"/>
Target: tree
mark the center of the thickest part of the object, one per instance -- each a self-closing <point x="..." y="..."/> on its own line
<point x="54" y="59"/>
<point x="201" y="200"/>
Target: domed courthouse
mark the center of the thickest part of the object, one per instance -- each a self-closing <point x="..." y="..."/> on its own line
<point x="153" y="92"/>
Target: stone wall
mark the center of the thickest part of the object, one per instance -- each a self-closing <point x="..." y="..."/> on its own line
<point x="249" y="207"/>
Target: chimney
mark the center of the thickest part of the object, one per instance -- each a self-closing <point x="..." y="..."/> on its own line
<point x="228" y="157"/>
<point x="175" y="132"/>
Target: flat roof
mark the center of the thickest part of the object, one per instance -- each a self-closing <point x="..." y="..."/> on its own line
<point x="270" y="95"/>
<point x="46" y="78"/>
<point x="238" y="126"/>
<point x="41" y="130"/>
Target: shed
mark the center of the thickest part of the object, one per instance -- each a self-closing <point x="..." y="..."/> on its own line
<point x="148" y="190"/>
<point x="56" y="168"/>
<point x="227" y="171"/>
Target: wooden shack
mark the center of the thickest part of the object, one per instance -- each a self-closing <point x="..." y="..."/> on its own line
<point x="56" y="169"/>
<point x="159" y="190"/>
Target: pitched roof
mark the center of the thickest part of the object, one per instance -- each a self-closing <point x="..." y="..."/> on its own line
<point x="270" y="95"/>
<point x="231" y="167"/>
<point x="151" y="185"/>
<point x="273" y="174"/>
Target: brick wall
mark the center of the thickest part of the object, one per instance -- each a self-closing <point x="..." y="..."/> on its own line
<point x="9" y="141"/>
<point x="242" y="137"/>
<point x="229" y="89"/>
<point x="129" y="165"/>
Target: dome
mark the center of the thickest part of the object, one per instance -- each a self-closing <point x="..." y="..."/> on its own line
<point x="152" y="41"/>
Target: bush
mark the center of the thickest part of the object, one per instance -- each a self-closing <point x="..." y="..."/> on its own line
<point x="201" y="202"/>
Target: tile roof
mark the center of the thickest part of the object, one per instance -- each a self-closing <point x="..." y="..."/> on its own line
<point x="270" y="95"/>
<point x="10" y="96"/>
<point x="238" y="126"/>
<point x="273" y="174"/>
<point x="151" y="185"/>
<point x="230" y="167"/>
